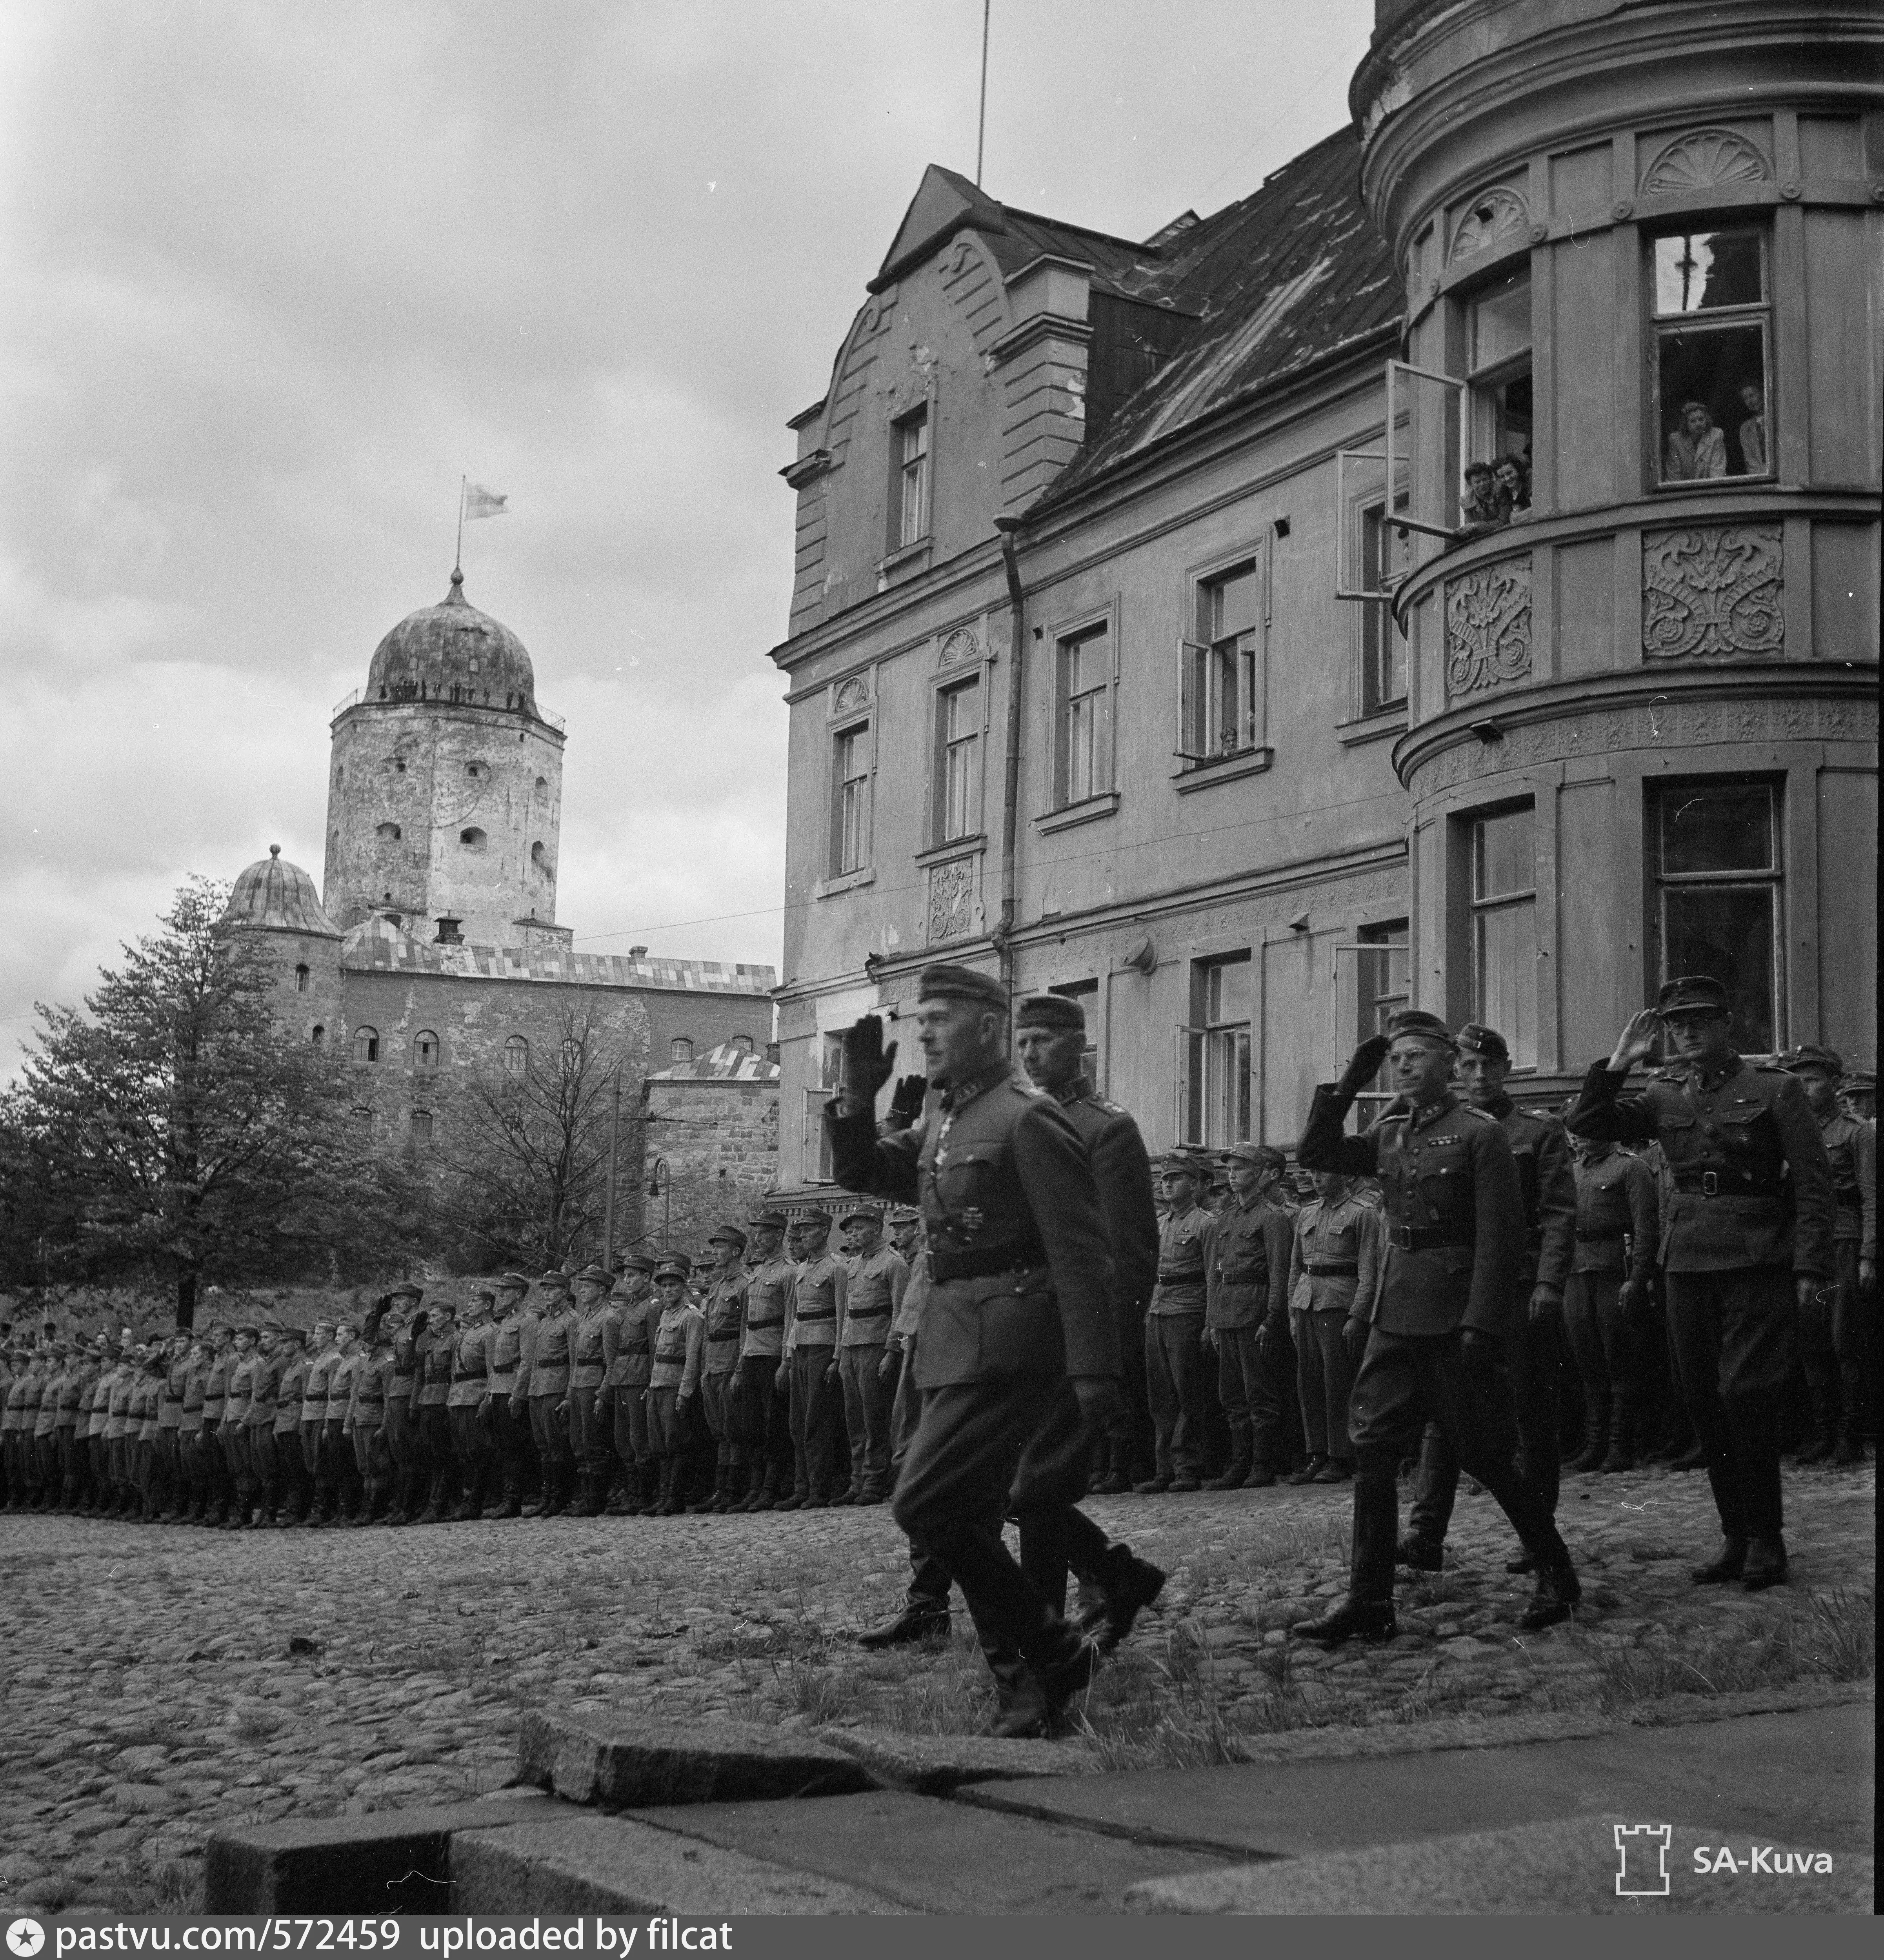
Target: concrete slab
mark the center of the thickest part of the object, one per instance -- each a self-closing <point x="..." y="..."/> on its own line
<point x="1571" y="1866"/>
<point x="386" y="1861"/>
<point x="933" y="1765"/>
<point x="1802" y="1778"/>
<point x="580" y="1861"/>
<point x="618" y="1760"/>
<point x="932" y="1856"/>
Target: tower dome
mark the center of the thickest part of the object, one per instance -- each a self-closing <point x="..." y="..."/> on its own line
<point x="452" y="652"/>
<point x="277" y="896"/>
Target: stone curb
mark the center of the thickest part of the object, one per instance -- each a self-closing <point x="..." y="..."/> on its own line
<point x="934" y="1765"/>
<point x="612" y="1760"/>
<point x="386" y="1861"/>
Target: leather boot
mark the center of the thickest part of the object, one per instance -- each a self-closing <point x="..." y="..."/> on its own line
<point x="1817" y="1446"/>
<point x="1554" y="1598"/>
<point x="1596" y="1427"/>
<point x="1728" y="1563"/>
<point x="1765" y="1561"/>
<point x="722" y="1488"/>
<point x="555" y="1499"/>
<point x="918" y="1621"/>
<point x="1370" y="1620"/>
<point x="1619" y="1455"/>
<point x="670" y="1505"/>
<point x="1306" y="1474"/>
<point x="1235" y="1471"/>
<point x="513" y="1496"/>
<point x="1128" y="1585"/>
<point x="749" y="1498"/>
<point x="587" y="1504"/>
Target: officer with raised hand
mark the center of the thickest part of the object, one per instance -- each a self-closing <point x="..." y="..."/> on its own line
<point x="1019" y="1318"/>
<point x="1746" y="1244"/>
<point x="1435" y="1351"/>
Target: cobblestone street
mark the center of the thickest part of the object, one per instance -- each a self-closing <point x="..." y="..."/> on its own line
<point x="159" y="1683"/>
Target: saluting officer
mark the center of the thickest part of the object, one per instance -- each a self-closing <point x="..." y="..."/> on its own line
<point x="1540" y="1146"/>
<point x="637" y="1307"/>
<point x="877" y="1278"/>
<point x="811" y="1339"/>
<point x="1018" y="1355"/>
<point x="764" y="1410"/>
<point x="1836" y="1341"/>
<point x="1455" y="1231"/>
<point x="1609" y="1303"/>
<point x="509" y="1433"/>
<point x="1247" y="1319"/>
<point x="1174" y="1325"/>
<point x="724" y="1307"/>
<point x="1746" y="1244"/>
<point x="1336" y="1257"/>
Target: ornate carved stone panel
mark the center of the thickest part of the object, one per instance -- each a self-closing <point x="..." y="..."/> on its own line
<point x="1712" y="589"/>
<point x="1499" y="218"/>
<point x="850" y="694"/>
<point x="958" y="647"/>
<point x="1489" y="627"/>
<point x="952" y="900"/>
<point x="1703" y="160"/>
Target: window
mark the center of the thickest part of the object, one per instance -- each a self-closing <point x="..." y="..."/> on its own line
<point x="538" y="857"/>
<point x="421" y="1126"/>
<point x="473" y="839"/>
<point x="1221" y="710"/>
<point x="1717" y="892"/>
<point x="1504" y="930"/>
<point x="958" y="761"/>
<point x="1382" y="986"/>
<point x="850" y="802"/>
<point x="1498" y="374"/>
<point x="1086" y="993"/>
<point x="319" y="1036"/>
<point x="1711" y="320"/>
<point x="1084" y="763"/>
<point x="425" y="1049"/>
<point x="1385" y="559"/>
<point x="388" y="833"/>
<point x="1214" y="1064"/>
<point x="741" y="1044"/>
<point x="516" y="1056"/>
<point x="301" y="979"/>
<point x="680" y="1049"/>
<point x="366" y="1044"/>
<point x="827" y="1061"/>
<point x="912" y="479"/>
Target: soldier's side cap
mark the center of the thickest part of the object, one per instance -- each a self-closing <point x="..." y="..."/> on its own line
<point x="1693" y="994"/>
<point x="852" y="1214"/>
<point x="905" y="1214"/>
<point x="817" y="1215"/>
<point x="1861" y="1078"/>
<point x="1416" y="1021"/>
<point x="727" y="1235"/>
<point x="639" y="1262"/>
<point x="555" y="1280"/>
<point x="512" y="1282"/>
<point x="1266" y="1154"/>
<point x="252" y="1331"/>
<point x="1476" y="1039"/>
<point x="961" y="983"/>
<point x="405" y="1290"/>
<point x="1050" y="1010"/>
<point x="775" y="1220"/>
<point x="596" y="1275"/>
<point x="1810" y="1055"/>
<point x="673" y="1269"/>
<point x="484" y="1291"/>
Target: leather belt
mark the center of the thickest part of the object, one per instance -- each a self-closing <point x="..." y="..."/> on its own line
<point x="1194" y="1275"/>
<point x="869" y="1312"/>
<point x="1338" y="1269"/>
<point x="1426" y="1237"/>
<point x="1599" y="1238"/>
<point x="1240" y="1275"/>
<point x="977" y="1262"/>
<point x="829" y="1313"/>
<point x="1721" y="1184"/>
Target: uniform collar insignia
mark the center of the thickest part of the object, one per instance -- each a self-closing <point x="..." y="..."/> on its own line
<point x="1078" y="1090"/>
<point x="1428" y="1113"/>
<point x="958" y="1095"/>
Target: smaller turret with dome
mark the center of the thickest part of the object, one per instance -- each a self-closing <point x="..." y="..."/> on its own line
<point x="277" y="900"/>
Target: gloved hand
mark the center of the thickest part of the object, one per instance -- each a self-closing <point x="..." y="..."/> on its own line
<point x="1099" y="1397"/>
<point x="867" y="1063"/>
<point x="906" y="1104"/>
<point x="1364" y="1067"/>
<point x="1353" y="1339"/>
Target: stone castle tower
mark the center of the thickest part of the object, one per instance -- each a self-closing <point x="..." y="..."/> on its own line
<point x="444" y="794"/>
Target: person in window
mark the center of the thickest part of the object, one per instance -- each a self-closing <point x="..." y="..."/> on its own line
<point x="1512" y="476"/>
<point x="1484" y="506"/>
<point x="1697" y="450"/>
<point x="1753" y="430"/>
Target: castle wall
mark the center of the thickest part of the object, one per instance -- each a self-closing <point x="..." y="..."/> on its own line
<point x="719" y="1143"/>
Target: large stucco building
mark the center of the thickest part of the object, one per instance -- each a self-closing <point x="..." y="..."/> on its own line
<point x="1110" y="671"/>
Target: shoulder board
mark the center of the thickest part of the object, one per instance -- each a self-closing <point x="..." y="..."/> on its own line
<point x="1674" y="1073"/>
<point x="1111" y="1109"/>
<point x="1768" y="1068"/>
<point x="1483" y="1115"/>
<point x="1545" y="1115"/>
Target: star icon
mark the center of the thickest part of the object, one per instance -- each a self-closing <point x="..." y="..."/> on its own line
<point x="25" y="1937"/>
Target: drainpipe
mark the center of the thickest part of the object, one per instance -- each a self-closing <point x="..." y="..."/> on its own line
<point x="1009" y="530"/>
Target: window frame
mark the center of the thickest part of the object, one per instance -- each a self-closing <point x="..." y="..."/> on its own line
<point x="862" y="726"/>
<point x="1658" y="326"/>
<point x="827" y="1058"/>
<point x="1089" y="993"/>
<point x="1196" y="754"/>
<point x="1067" y="638"/>
<point x="370" y="1037"/>
<point x="516" y="1045"/>
<point x="1371" y="518"/>
<point x="949" y="686"/>
<point x="420" y="1041"/>
<point x="1479" y="414"/>
<point x="1205" y="1037"/>
<point x="902" y="536"/>
<point x="1479" y="908"/>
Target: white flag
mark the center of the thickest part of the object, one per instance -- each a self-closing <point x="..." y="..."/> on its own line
<point x="479" y="502"/>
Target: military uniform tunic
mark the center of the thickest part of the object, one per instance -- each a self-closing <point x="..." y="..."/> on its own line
<point x="1334" y="1260"/>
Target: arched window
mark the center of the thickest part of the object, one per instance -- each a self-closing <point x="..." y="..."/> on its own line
<point x="543" y="789"/>
<point x="398" y="764"/>
<point x="389" y="833"/>
<point x="680" y="1049"/>
<point x="474" y="768"/>
<point x="741" y="1044"/>
<point x="301" y="979"/>
<point x="425" y="1049"/>
<point x="516" y="1056"/>
<point x="472" y="838"/>
<point x="320" y="1035"/>
<point x="537" y="855"/>
<point x="421" y="1126"/>
<point x="366" y="1044"/>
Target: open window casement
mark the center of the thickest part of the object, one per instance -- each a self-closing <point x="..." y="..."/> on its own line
<point x="1362" y="475"/>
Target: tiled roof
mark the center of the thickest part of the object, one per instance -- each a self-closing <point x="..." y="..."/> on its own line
<point x="1283" y="279"/>
<point x="729" y="1062"/>
<point x="378" y="946"/>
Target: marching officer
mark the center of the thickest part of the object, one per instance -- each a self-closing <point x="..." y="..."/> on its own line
<point x="1246" y="1322"/>
<point x="542" y="1387"/>
<point x="1456" y="1243"/>
<point x="1746" y="1244"/>
<point x="1609" y="1304"/>
<point x="810" y="1347"/>
<point x="509" y="1434"/>
<point x="876" y="1276"/>
<point x="1018" y="1354"/>
<point x="1174" y="1325"/>
<point x="1336" y="1255"/>
<point x="598" y="1341"/>
<point x="1836" y="1341"/>
<point x="763" y="1387"/>
<point x="1540" y="1146"/>
<point x="680" y="1341"/>
<point x="636" y="1307"/>
<point x="724" y="1308"/>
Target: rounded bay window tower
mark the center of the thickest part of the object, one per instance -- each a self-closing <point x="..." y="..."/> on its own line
<point x="1642" y="255"/>
<point x="444" y="794"/>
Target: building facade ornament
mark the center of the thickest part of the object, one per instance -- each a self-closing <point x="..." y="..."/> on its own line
<point x="1498" y="218"/>
<point x="1704" y="160"/>
<point x="1489" y="627"/>
<point x="1712" y="590"/>
<point x="952" y="906"/>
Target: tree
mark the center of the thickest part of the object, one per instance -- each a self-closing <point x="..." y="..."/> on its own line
<point x="525" y="1168"/>
<point x="173" y="1127"/>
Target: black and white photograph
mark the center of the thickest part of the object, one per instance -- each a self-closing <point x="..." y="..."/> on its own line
<point x="941" y="969"/>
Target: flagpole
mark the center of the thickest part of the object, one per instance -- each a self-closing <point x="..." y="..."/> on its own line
<point x="981" y="125"/>
<point x="457" y="554"/>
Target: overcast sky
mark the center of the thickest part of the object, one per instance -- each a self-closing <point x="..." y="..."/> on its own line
<point x="276" y="275"/>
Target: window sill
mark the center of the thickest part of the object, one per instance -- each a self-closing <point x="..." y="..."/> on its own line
<point x="1676" y="486"/>
<point x="829" y="888"/>
<point x="910" y="558"/>
<point x="1382" y="727"/>
<point x="972" y="845"/>
<point x="1090" y="811"/>
<point x="1224" y="769"/>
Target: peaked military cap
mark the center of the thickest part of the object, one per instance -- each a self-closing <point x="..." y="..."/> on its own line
<point x="1416" y="1021"/>
<point x="1476" y="1039"/>
<point x="511" y="1282"/>
<point x="775" y="1220"/>
<point x="1861" y="1078"/>
<point x="1050" y="1010"/>
<point x="1809" y="1054"/>
<point x="254" y="1332"/>
<point x="727" y="1235"/>
<point x="295" y="1334"/>
<point x="405" y="1290"/>
<point x="1186" y="1163"/>
<point x="905" y="1214"/>
<point x="555" y="1280"/>
<point x="596" y="1275"/>
<point x="856" y="1215"/>
<point x="483" y="1291"/>
<point x="1265" y="1154"/>
<point x="639" y="1262"/>
<point x="673" y="1269"/>
<point x="817" y="1215"/>
<point x="945" y="982"/>
<point x="1693" y="994"/>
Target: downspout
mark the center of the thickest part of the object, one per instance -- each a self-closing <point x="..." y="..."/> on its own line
<point x="1009" y="530"/>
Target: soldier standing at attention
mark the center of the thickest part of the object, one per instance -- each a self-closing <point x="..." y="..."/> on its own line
<point x="431" y="1409"/>
<point x="170" y="1422"/>
<point x="1609" y="1305"/>
<point x="542" y="1386"/>
<point x="189" y="1433"/>
<point x="336" y="1446"/>
<point x="402" y="1442"/>
<point x="760" y="1393"/>
<point x="235" y="1425"/>
<point x="1174" y="1326"/>
<point x="1336" y="1256"/>
<point x="321" y="1356"/>
<point x="367" y="1405"/>
<point x="1835" y="1337"/>
<point x="1858" y="1093"/>
<point x="1246" y="1320"/>
<point x="1746" y="1245"/>
<point x="259" y="1426"/>
<point x="627" y="1383"/>
<point x="291" y="1390"/>
<point x="1018" y="1356"/>
<point x="724" y="1308"/>
<point x="508" y="1435"/>
<point x="876" y="1276"/>
<point x="598" y="1341"/>
<point x="216" y="1399"/>
<point x="680" y="1341"/>
<point x="1455" y="1233"/>
<point x="1533" y="1347"/>
<point x="45" y="1424"/>
<point x="811" y="1341"/>
<point x="464" y="1404"/>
